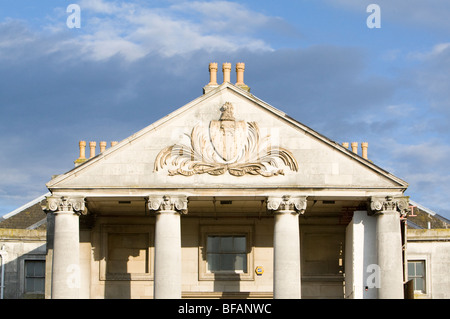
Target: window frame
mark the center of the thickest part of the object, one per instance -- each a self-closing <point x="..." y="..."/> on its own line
<point x="423" y="276"/>
<point x="426" y="258"/>
<point x="22" y="273"/>
<point x="226" y="230"/>
<point x="27" y="262"/>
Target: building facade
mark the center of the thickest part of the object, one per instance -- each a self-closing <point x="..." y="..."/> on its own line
<point x="226" y="197"/>
<point x="23" y="239"/>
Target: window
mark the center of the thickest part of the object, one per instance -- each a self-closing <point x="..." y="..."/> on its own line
<point x="416" y="272"/>
<point x="226" y="253"/>
<point x="34" y="276"/>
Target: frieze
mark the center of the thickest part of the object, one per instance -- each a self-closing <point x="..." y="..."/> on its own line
<point x="227" y="145"/>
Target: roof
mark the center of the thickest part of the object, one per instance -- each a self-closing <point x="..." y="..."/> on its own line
<point x="424" y="218"/>
<point x="28" y="216"/>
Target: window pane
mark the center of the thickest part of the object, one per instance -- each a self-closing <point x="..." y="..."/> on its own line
<point x="419" y="269"/>
<point x="227" y="262"/>
<point x="39" y="285"/>
<point x="240" y="263"/>
<point x="411" y="269"/>
<point x="29" y="269"/>
<point x="227" y="244"/>
<point x="213" y="261"/>
<point x="39" y="268"/>
<point x="240" y="244"/>
<point x="213" y="244"/>
<point x="419" y="284"/>
<point x="29" y="284"/>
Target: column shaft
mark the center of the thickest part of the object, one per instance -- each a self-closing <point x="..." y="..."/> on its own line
<point x="66" y="259"/>
<point x="66" y="245"/>
<point x="389" y="250"/>
<point x="286" y="245"/>
<point x="167" y="274"/>
<point x="389" y="244"/>
<point x="167" y="277"/>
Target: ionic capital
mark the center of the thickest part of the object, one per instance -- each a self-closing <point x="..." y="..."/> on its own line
<point x="287" y="203"/>
<point x="379" y="205"/>
<point x="168" y="203"/>
<point x="59" y="204"/>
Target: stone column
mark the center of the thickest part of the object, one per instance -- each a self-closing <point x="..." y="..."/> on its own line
<point x="167" y="273"/>
<point x="66" y="245"/>
<point x="389" y="244"/>
<point x="286" y="245"/>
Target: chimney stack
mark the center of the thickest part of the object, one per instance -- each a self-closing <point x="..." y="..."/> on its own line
<point x="226" y="68"/>
<point x="240" y="68"/>
<point x="102" y="146"/>
<point x="355" y="147"/>
<point x="82" y="158"/>
<point x="364" y="147"/>
<point x="212" y="74"/>
<point x="92" y="146"/>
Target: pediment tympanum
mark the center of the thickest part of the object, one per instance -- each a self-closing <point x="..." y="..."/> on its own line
<point x="226" y="145"/>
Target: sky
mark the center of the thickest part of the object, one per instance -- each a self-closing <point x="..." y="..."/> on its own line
<point x="348" y="71"/>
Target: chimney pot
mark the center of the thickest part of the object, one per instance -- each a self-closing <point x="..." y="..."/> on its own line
<point x="345" y="144"/>
<point x="113" y="143"/>
<point x="102" y="146"/>
<point x="212" y="73"/>
<point x="355" y="147"/>
<point x="82" y="145"/>
<point x="240" y="68"/>
<point x="226" y="68"/>
<point x="82" y="158"/>
<point x="92" y="146"/>
<point x="364" y="147"/>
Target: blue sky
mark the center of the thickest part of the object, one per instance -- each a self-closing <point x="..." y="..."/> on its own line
<point x="132" y="62"/>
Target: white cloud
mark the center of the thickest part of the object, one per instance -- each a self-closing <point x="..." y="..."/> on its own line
<point x="133" y="30"/>
<point x="434" y="52"/>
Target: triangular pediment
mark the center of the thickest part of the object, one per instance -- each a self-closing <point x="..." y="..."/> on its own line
<point x="227" y="138"/>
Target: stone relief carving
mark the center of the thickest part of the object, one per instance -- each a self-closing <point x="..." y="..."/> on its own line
<point x="229" y="146"/>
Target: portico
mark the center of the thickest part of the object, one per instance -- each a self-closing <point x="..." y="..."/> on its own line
<point x="193" y="205"/>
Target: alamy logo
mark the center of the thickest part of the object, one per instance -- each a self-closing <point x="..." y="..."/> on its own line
<point x="74" y="19"/>
<point x="73" y="277"/>
<point x="373" y="280"/>
<point x="374" y="19"/>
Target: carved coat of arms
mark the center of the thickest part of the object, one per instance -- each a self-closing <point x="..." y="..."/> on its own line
<point x="229" y="146"/>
